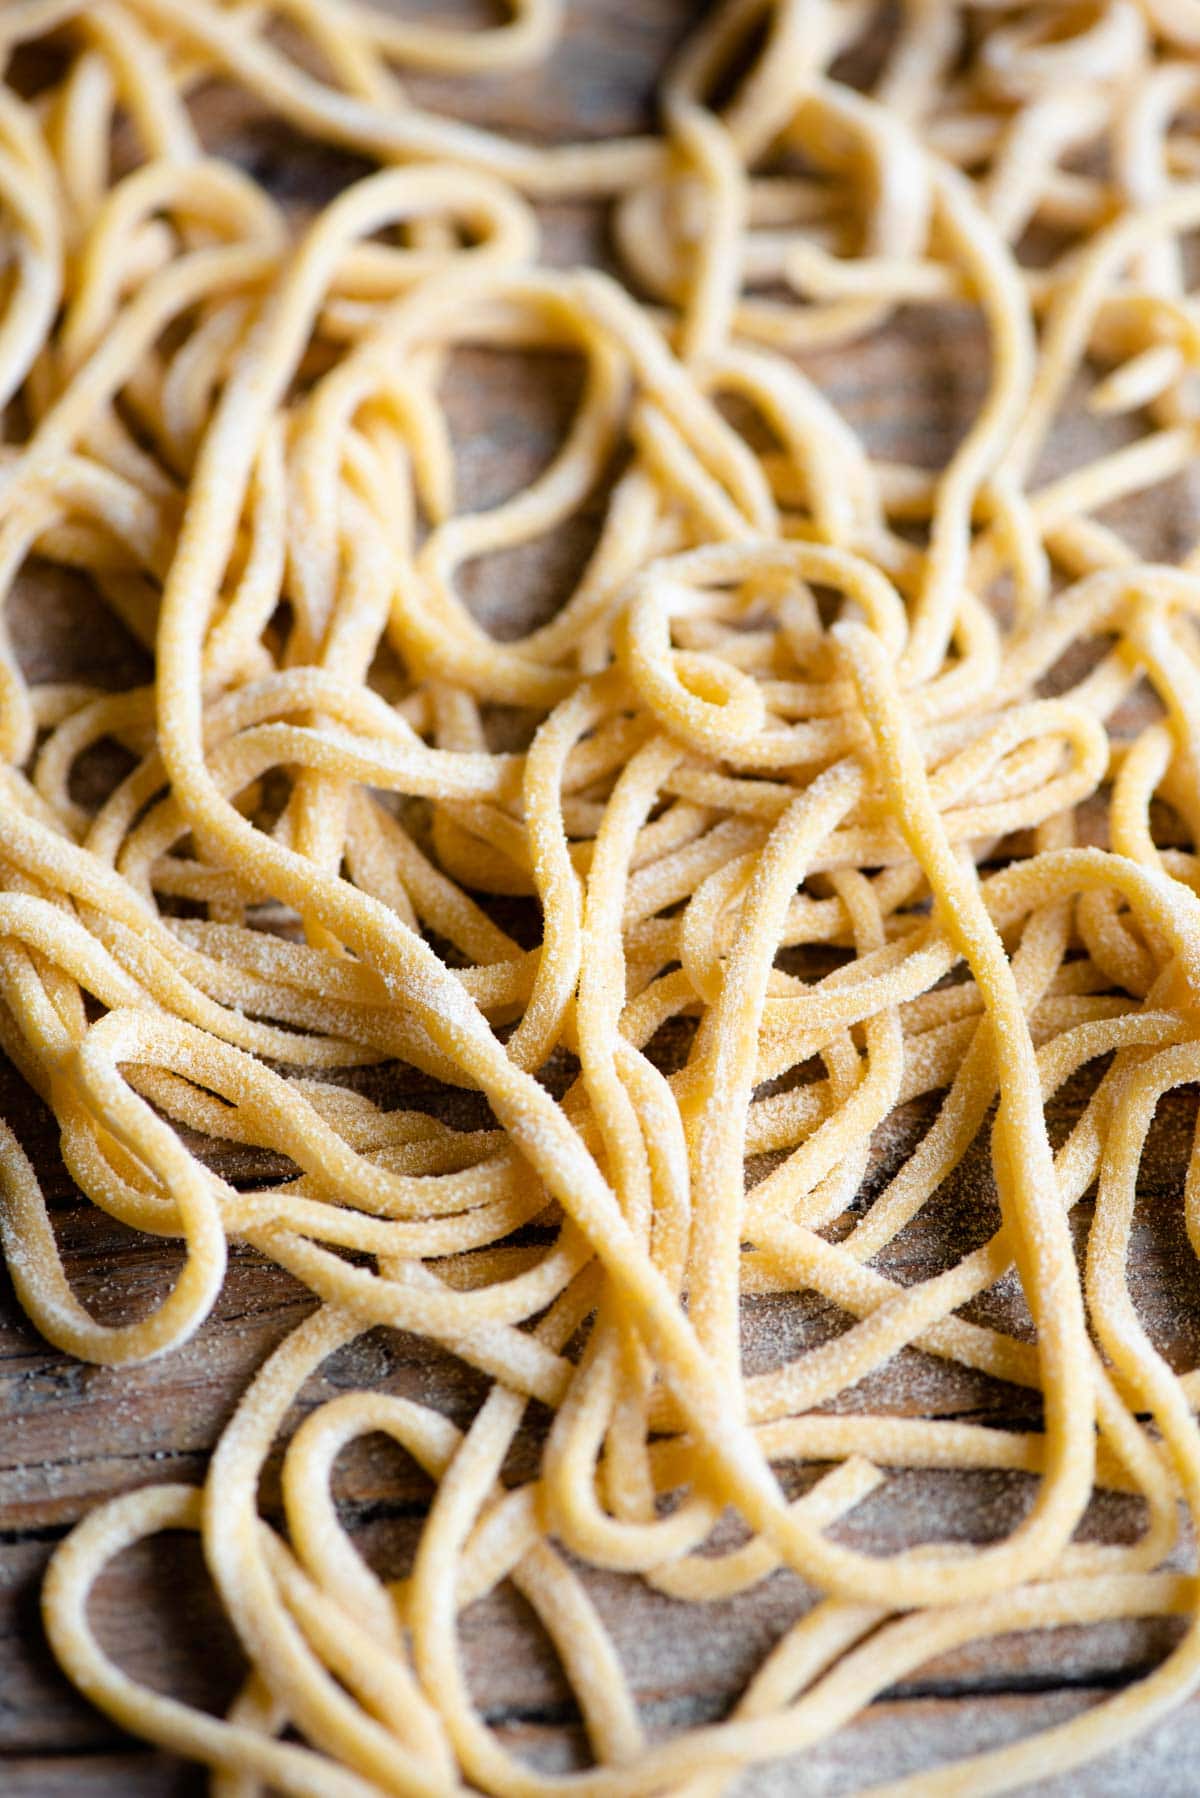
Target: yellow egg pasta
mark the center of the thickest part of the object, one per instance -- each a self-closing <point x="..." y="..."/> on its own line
<point x="822" y="770"/>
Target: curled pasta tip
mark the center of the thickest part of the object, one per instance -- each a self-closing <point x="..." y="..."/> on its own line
<point x="696" y="697"/>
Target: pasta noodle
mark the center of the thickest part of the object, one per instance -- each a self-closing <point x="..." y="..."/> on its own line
<point x="822" y="769"/>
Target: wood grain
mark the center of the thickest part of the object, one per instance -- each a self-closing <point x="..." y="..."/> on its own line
<point x="72" y="1435"/>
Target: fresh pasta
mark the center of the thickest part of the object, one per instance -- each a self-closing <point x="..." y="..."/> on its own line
<point x="802" y="702"/>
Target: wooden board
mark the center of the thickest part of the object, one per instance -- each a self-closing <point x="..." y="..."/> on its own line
<point x="72" y="1435"/>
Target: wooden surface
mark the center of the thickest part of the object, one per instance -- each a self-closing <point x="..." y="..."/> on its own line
<point x="72" y="1435"/>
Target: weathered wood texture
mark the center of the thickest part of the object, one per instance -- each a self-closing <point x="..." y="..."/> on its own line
<point x="71" y="1435"/>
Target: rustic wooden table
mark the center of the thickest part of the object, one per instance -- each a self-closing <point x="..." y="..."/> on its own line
<point x="72" y="1435"/>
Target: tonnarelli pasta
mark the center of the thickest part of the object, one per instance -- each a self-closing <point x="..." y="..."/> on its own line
<point x="801" y="698"/>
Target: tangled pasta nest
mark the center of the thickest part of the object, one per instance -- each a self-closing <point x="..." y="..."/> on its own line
<point x="801" y="699"/>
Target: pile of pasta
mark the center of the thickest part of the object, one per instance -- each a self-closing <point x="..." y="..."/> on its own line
<point x="803" y="702"/>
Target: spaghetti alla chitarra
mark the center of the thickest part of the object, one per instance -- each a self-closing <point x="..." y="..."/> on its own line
<point x="800" y="698"/>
